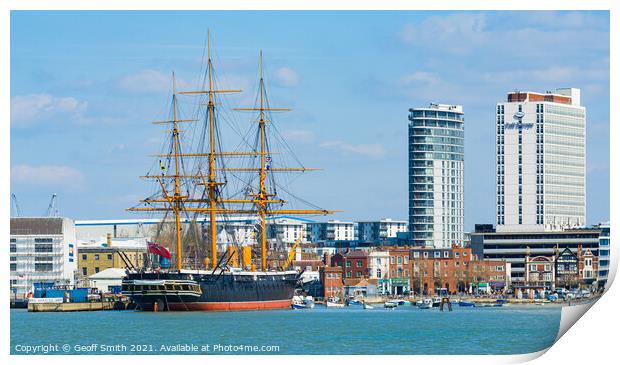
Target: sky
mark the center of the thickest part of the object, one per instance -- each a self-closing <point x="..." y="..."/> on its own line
<point x="86" y="85"/>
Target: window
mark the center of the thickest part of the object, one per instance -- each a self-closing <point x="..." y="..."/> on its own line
<point x="43" y="266"/>
<point x="400" y="260"/>
<point x="379" y="273"/>
<point x="109" y="256"/>
<point x="96" y="270"/>
<point x="464" y="253"/>
<point x="446" y="254"/>
<point x="43" y="247"/>
<point x="436" y="254"/>
<point x="13" y="266"/>
<point x="96" y="256"/>
<point x="425" y="255"/>
<point x="456" y="255"/>
<point x="358" y="274"/>
<point x="416" y="255"/>
<point x="392" y="260"/>
<point x="13" y="248"/>
<point x="533" y="267"/>
<point x="84" y="271"/>
<point x="406" y="259"/>
<point x="348" y="274"/>
<point x="547" y="267"/>
<point x="43" y="240"/>
<point x="588" y="262"/>
<point x="84" y="257"/>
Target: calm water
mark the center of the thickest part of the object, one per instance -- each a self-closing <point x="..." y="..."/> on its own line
<point x="406" y="330"/>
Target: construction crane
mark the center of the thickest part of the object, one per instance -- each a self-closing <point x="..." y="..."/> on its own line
<point x="18" y="211"/>
<point x="52" y="208"/>
<point x="291" y="253"/>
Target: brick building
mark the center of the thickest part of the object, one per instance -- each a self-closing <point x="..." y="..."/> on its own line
<point x="354" y="263"/>
<point x="455" y="269"/>
<point x="331" y="278"/>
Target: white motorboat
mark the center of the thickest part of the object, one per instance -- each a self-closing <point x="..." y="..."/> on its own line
<point x="390" y="304"/>
<point x="330" y="304"/>
<point x="425" y="303"/>
<point x="367" y="306"/>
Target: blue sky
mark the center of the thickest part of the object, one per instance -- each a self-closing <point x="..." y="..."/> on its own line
<point x="85" y="85"/>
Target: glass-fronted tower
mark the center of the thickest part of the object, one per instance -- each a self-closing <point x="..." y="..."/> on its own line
<point x="541" y="161"/>
<point x="436" y="175"/>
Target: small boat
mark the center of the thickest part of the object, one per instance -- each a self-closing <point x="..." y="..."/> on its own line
<point x="390" y="304"/>
<point x="330" y="304"/>
<point x="367" y="306"/>
<point x="464" y="303"/>
<point x="425" y="303"/>
<point x="487" y="305"/>
<point x="299" y="302"/>
<point x="354" y="302"/>
<point x="436" y="302"/>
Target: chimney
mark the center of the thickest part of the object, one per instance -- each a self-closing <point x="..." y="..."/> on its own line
<point x="327" y="259"/>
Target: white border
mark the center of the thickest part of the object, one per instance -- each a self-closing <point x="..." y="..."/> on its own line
<point x="591" y="340"/>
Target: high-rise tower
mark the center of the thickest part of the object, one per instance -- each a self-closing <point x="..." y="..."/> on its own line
<point x="436" y="174"/>
<point x="540" y="161"/>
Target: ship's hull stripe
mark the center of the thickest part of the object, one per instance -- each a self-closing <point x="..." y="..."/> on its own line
<point x="224" y="306"/>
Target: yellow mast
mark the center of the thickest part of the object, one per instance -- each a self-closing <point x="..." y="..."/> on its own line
<point x="262" y="195"/>
<point x="211" y="183"/>
<point x="177" y="189"/>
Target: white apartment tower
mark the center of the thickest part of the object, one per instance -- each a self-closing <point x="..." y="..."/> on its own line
<point x="540" y="161"/>
<point x="436" y="175"/>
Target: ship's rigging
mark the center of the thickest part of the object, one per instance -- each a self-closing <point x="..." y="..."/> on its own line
<point x="188" y="190"/>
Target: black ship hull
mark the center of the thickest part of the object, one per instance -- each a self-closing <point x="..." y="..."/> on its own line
<point x="200" y="291"/>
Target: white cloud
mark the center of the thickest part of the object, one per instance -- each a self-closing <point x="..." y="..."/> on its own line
<point x="286" y="77"/>
<point x="374" y="150"/>
<point x="29" y="109"/>
<point x="299" y="135"/>
<point x="47" y="175"/>
<point x="150" y="81"/>
<point x="420" y="77"/>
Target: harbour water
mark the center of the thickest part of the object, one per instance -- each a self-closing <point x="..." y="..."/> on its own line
<point x="352" y="330"/>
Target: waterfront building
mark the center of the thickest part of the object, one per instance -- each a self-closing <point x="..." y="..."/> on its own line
<point x="107" y="280"/>
<point x="379" y="268"/>
<point x="380" y="230"/>
<point x="331" y="278"/>
<point x="603" y="255"/>
<point x="457" y="270"/>
<point x="42" y="250"/>
<point x="588" y="267"/>
<point x="112" y="253"/>
<point x="540" y="162"/>
<point x="354" y="263"/>
<point x="539" y="275"/>
<point x="566" y="269"/>
<point x="513" y="246"/>
<point x="436" y="175"/>
<point x="398" y="280"/>
<point x="331" y="233"/>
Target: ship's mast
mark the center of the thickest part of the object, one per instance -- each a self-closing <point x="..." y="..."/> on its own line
<point x="177" y="190"/>
<point x="262" y="195"/>
<point x="212" y="185"/>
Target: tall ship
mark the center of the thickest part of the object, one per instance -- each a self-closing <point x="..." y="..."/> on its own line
<point x="197" y="180"/>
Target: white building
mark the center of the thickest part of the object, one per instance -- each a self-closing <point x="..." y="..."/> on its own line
<point x="381" y="230"/>
<point x="540" y="161"/>
<point x="379" y="264"/>
<point x="330" y="231"/>
<point x="286" y="230"/>
<point x="106" y="279"/>
<point x="436" y="175"/>
<point x="41" y="250"/>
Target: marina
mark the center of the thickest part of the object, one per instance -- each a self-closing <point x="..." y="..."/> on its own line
<point x="403" y="330"/>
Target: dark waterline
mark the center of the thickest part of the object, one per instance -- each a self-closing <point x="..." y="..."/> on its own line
<point x="406" y="330"/>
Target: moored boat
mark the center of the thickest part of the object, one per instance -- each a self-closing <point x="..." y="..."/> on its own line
<point x="424" y="303"/>
<point x="464" y="303"/>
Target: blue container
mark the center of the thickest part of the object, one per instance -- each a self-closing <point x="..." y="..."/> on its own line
<point x="164" y="262"/>
<point x="79" y="295"/>
<point x="116" y="289"/>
